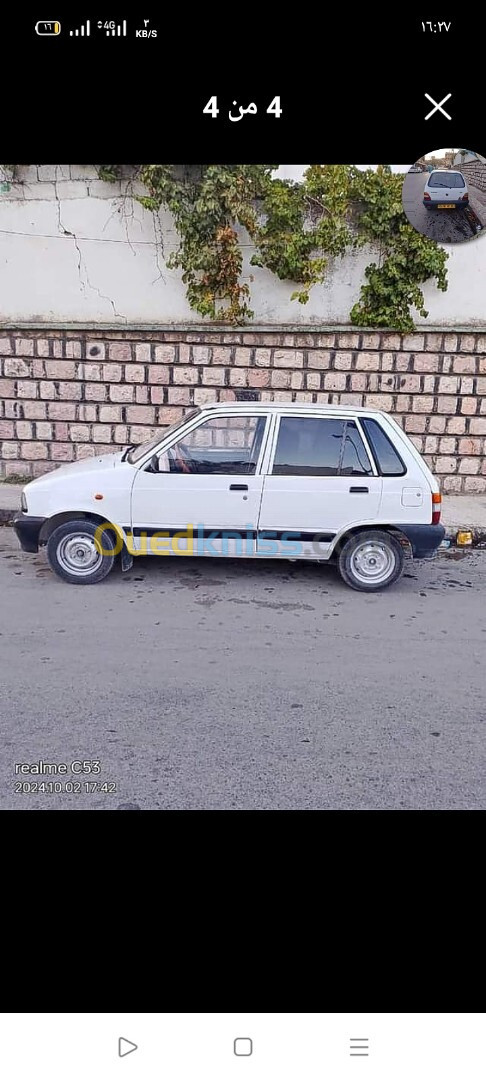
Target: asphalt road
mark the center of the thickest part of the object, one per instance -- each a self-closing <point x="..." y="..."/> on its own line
<point x="446" y="226"/>
<point x="229" y="685"/>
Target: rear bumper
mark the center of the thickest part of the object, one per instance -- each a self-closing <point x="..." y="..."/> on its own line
<point x="424" y="539"/>
<point x="429" y="205"/>
<point x="28" y="529"/>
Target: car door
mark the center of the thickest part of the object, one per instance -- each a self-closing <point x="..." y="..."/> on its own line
<point x="321" y="478"/>
<point x="207" y="487"/>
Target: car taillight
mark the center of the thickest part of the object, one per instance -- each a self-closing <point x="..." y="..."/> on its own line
<point x="426" y="195"/>
<point x="465" y="198"/>
<point x="436" y="507"/>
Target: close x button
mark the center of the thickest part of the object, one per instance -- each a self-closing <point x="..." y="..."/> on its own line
<point x="438" y="106"/>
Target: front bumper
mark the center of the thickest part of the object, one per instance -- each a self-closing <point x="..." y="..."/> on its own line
<point x="424" y="539"/>
<point x="28" y="529"/>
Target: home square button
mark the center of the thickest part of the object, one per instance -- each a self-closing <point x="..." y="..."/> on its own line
<point x="243" y="1047"/>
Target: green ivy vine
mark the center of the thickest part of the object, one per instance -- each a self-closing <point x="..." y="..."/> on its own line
<point x="295" y="229"/>
<point x="339" y="208"/>
<point x="207" y="203"/>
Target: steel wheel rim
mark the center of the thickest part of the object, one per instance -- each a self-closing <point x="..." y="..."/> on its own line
<point x="373" y="562"/>
<point x="78" y="554"/>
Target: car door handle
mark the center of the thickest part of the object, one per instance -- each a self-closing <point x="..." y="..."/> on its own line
<point x="359" y="490"/>
<point x="238" y="487"/>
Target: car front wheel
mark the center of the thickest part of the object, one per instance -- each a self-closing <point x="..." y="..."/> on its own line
<point x="371" y="560"/>
<point x="79" y="553"/>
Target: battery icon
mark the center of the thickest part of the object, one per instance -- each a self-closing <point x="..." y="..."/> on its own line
<point x="48" y="29"/>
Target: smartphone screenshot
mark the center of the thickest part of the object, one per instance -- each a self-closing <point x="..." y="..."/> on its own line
<point x="243" y="455"/>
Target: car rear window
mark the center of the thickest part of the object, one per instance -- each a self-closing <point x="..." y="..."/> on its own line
<point x="447" y="180"/>
<point x="388" y="460"/>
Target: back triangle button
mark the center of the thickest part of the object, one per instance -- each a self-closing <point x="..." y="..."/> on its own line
<point x="126" y="1047"/>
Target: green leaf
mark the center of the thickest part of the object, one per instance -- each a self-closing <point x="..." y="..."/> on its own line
<point x="296" y="230"/>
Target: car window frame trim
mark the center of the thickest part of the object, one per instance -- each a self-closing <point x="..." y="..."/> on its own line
<point x="198" y="421"/>
<point x="320" y="416"/>
<point x="383" y="475"/>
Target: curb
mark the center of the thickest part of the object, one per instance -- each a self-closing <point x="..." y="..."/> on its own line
<point x="7" y="516"/>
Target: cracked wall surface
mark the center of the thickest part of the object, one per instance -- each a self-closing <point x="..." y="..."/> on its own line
<point x="77" y="250"/>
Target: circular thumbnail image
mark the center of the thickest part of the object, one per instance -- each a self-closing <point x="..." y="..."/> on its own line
<point x="444" y="195"/>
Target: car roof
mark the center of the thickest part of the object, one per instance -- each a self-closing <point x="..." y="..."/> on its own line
<point x="291" y="406"/>
<point x="454" y="172"/>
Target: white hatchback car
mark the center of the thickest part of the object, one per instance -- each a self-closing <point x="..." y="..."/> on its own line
<point x="253" y="479"/>
<point x="446" y="189"/>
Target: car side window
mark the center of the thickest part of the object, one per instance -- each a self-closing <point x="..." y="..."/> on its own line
<point x="355" y="460"/>
<point x="223" y="444"/>
<point x="388" y="460"/>
<point x="315" y="446"/>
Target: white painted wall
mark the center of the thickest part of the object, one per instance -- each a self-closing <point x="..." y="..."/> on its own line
<point x="108" y="271"/>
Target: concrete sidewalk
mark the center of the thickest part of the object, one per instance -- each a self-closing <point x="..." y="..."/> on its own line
<point x="459" y="512"/>
<point x="9" y="500"/>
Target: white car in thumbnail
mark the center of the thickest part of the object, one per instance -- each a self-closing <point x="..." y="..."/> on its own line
<point x="446" y="189"/>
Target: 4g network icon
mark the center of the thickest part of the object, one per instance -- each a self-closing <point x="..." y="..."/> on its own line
<point x="145" y="33"/>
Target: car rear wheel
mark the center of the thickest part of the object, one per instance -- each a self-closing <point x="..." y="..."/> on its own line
<point x="371" y="560"/>
<point x="80" y="554"/>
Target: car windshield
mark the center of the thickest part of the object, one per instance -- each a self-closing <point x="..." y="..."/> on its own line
<point x="145" y="448"/>
<point x="447" y="180"/>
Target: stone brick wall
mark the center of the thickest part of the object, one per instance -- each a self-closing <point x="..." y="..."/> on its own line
<point x="475" y="174"/>
<point x="66" y="395"/>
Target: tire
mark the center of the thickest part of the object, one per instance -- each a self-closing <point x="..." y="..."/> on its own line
<point x="371" y="560"/>
<point x="67" y="559"/>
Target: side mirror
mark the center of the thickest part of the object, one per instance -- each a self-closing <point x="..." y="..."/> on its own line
<point x="154" y="463"/>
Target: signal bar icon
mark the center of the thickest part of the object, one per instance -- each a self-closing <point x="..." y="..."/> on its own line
<point x="117" y="31"/>
<point x="82" y="32"/>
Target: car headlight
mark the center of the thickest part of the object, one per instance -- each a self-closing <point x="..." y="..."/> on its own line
<point x="23" y="501"/>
